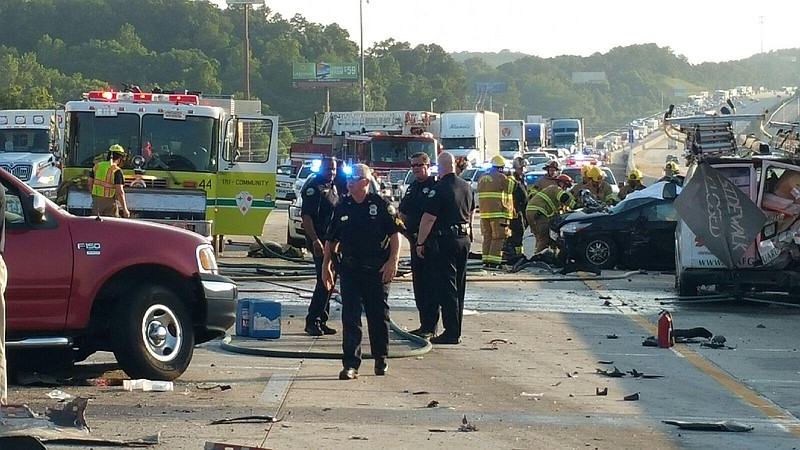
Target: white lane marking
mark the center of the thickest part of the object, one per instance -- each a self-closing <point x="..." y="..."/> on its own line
<point x="276" y="389"/>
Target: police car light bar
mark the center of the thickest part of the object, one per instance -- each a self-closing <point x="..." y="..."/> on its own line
<point x="112" y="96"/>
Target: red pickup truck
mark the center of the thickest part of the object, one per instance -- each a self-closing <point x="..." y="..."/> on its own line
<point x="77" y="285"/>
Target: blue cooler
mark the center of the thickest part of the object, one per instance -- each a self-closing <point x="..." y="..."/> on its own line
<point x="243" y="317"/>
<point x="265" y="319"/>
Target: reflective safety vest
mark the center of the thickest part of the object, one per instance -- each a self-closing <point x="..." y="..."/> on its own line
<point x="547" y="201"/>
<point x="104" y="180"/>
<point x="495" y="195"/>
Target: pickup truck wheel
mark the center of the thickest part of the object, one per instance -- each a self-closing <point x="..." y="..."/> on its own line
<point x="154" y="334"/>
<point x="600" y="251"/>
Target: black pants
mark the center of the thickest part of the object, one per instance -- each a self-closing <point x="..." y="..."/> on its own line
<point x="320" y="307"/>
<point x="364" y="288"/>
<point x="449" y="279"/>
<point x="423" y="295"/>
<point x="515" y="240"/>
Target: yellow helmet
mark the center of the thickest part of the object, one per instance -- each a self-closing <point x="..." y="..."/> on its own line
<point x="635" y="175"/>
<point x="595" y="174"/>
<point x="116" y="148"/>
<point x="498" y="161"/>
<point x="584" y="170"/>
<point x="671" y="167"/>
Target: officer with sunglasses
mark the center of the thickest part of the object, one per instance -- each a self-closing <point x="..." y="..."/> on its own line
<point x="364" y="233"/>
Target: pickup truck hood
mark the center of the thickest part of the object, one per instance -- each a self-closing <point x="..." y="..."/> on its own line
<point x="23" y="157"/>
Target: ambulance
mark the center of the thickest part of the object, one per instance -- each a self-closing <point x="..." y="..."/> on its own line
<point x="205" y="163"/>
<point x="30" y="145"/>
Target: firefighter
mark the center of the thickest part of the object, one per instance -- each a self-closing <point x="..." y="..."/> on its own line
<point x="106" y="182"/>
<point x="597" y="187"/>
<point x="632" y="183"/>
<point x="543" y="205"/>
<point x="553" y="170"/>
<point x="672" y="173"/>
<point x="497" y="209"/>
<point x="517" y="225"/>
<point x="461" y="165"/>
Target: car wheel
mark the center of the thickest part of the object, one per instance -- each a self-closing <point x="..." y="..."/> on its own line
<point x="601" y="252"/>
<point x="153" y="333"/>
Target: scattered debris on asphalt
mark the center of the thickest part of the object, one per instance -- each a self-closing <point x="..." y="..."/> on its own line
<point x="210" y="386"/>
<point x="532" y="395"/>
<point x="717" y="342"/>
<point x="247" y="419"/>
<point x="612" y="336"/>
<point x="221" y="446"/>
<point x="636" y="374"/>
<point x="572" y="375"/>
<point x="697" y="332"/>
<point x="598" y="391"/>
<point x="605" y="362"/>
<point x="761" y="325"/>
<point x="605" y="297"/>
<point x="466" y="426"/>
<point x="432" y="404"/>
<point x="359" y="438"/>
<point x="556" y="383"/>
<point x="727" y="425"/>
<point x="58" y="394"/>
<point x="615" y="374"/>
<point x="631" y="398"/>
<point x="420" y="393"/>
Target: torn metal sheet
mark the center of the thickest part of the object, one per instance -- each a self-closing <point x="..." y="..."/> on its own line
<point x="727" y="425"/>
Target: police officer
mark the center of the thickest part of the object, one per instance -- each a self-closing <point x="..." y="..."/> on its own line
<point x="410" y="212"/>
<point x="364" y="231"/>
<point x="517" y="225"/>
<point x="320" y="196"/>
<point x="632" y="183"/>
<point x="543" y="205"/>
<point x="444" y="238"/>
<point x="106" y="182"/>
<point x="497" y="209"/>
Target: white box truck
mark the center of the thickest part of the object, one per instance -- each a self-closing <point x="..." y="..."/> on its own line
<point x="474" y="135"/>
<point x="512" y="138"/>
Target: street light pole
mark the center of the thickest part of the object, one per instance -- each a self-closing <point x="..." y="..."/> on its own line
<point x="361" y="25"/>
<point x="246" y="52"/>
<point x="432" y="102"/>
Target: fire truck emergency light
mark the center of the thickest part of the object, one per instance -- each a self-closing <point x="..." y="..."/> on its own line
<point x="142" y="97"/>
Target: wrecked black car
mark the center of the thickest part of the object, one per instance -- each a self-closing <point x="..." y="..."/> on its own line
<point x="637" y="233"/>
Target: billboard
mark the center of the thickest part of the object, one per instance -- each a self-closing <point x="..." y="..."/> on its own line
<point x="324" y="74"/>
<point x="491" y="87"/>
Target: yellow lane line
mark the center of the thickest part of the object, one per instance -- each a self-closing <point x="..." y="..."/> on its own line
<point x="763" y="404"/>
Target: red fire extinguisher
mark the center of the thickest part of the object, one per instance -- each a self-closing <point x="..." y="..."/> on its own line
<point x="665" y="329"/>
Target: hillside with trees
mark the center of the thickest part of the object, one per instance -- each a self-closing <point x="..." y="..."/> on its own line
<point x="58" y="49"/>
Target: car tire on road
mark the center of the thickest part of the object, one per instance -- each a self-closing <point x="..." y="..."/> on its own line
<point x="600" y="251"/>
<point x="153" y="334"/>
<point x="684" y="288"/>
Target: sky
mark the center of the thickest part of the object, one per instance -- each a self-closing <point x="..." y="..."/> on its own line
<point x="701" y="30"/>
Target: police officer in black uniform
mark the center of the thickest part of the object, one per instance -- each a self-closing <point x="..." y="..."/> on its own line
<point x="519" y="195"/>
<point x="444" y="240"/>
<point x="410" y="211"/>
<point x="320" y="196"/>
<point x="365" y="233"/>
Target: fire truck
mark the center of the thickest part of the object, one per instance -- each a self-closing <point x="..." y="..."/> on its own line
<point x="205" y="163"/>
<point x="383" y="140"/>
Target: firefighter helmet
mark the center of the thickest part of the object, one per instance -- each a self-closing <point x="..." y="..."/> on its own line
<point x="116" y="148"/>
<point x="519" y="161"/>
<point x="552" y="165"/>
<point x="584" y="170"/>
<point x="595" y="174"/>
<point x="635" y="175"/>
<point x="671" y="168"/>
<point x="498" y="161"/>
<point x="564" y="178"/>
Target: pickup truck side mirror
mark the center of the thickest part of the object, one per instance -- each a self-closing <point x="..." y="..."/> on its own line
<point x="38" y="208"/>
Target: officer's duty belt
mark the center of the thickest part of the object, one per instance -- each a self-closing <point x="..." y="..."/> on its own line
<point x="460" y="229"/>
<point x="363" y="263"/>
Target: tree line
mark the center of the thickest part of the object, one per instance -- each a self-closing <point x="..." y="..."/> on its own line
<point x="56" y="49"/>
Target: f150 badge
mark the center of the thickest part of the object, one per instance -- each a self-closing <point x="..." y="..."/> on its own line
<point x="91" y="248"/>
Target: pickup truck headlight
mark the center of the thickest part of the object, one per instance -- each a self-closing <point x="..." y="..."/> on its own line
<point x="294" y="212"/>
<point x="206" y="261"/>
<point x="574" y="227"/>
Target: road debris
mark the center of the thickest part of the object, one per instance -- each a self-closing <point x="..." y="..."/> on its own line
<point x="58" y="394"/>
<point x="761" y="325"/>
<point x="697" y="332"/>
<point x="420" y="393"/>
<point x="210" y="386"/>
<point x="615" y="374"/>
<point x="433" y="404"/>
<point x="536" y="396"/>
<point x="612" y="336"/>
<point x="466" y="426"/>
<point x="221" y="446"/>
<point x="727" y="425"/>
<point x="631" y="398"/>
<point x="598" y="391"/>
<point x="359" y="438"/>
<point x="605" y="362"/>
<point x="247" y="419"/>
<point x="717" y="342"/>
<point x="636" y="374"/>
<point x="556" y="383"/>
<point x="605" y="297"/>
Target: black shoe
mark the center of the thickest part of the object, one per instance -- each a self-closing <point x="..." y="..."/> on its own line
<point x="381" y="366"/>
<point x="314" y="329"/>
<point x="348" y="373"/>
<point x="326" y="329"/>
<point x="422" y="333"/>
<point x="445" y="339"/>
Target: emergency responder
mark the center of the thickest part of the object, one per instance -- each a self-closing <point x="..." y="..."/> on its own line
<point x="106" y="182"/>
<point x="632" y="183"/>
<point x="461" y="165"/>
<point x="444" y="238"/>
<point x="519" y="195"/>
<point x="543" y="205"/>
<point x="553" y="170"/>
<point x="672" y="173"/>
<point x="364" y="232"/>
<point x="495" y="200"/>
<point x="597" y="187"/>
<point x="320" y="197"/>
<point x="410" y="212"/>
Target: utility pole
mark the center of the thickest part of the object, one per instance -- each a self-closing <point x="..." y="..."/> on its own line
<point x="361" y="25"/>
<point x="246" y="41"/>
<point x="761" y="22"/>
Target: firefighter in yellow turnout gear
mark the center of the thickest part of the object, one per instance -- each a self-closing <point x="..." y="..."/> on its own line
<point x="543" y="205"/>
<point x="495" y="199"/>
